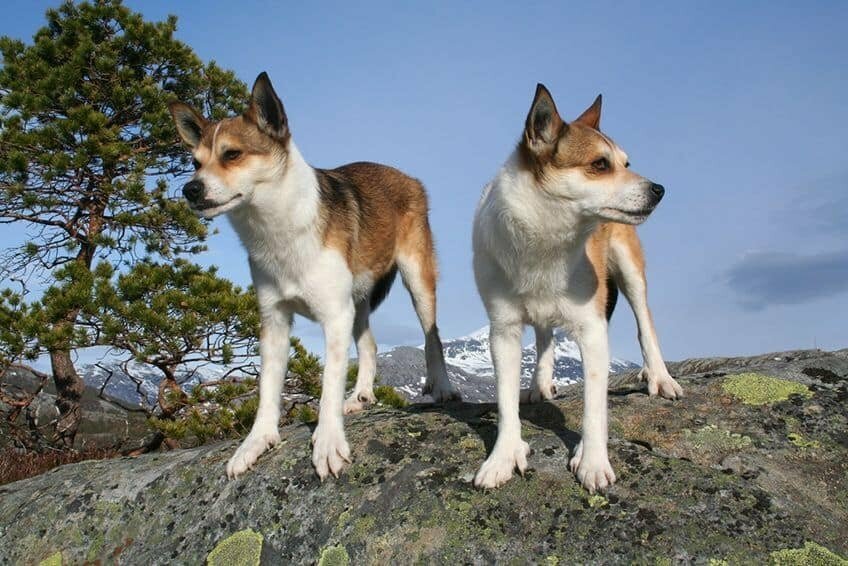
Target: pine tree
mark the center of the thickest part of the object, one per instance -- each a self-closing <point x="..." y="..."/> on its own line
<point x="87" y="148"/>
<point x="175" y="317"/>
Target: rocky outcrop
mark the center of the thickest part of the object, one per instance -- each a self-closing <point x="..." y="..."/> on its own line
<point x="106" y="423"/>
<point x="750" y="467"/>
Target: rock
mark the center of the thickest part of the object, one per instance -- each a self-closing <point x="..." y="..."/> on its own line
<point x="707" y="479"/>
<point x="105" y="422"/>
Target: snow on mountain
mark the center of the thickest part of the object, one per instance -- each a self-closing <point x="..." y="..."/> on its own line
<point x="471" y="354"/>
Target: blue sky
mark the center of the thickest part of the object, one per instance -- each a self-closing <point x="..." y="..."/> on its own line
<point x="737" y="108"/>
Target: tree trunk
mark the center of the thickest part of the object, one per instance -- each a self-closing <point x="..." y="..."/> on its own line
<point x="171" y="396"/>
<point x="69" y="390"/>
<point x="69" y="385"/>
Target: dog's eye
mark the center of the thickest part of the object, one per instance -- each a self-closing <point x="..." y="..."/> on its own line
<point x="232" y="154"/>
<point x="601" y="164"/>
<point x="196" y="164"/>
<point x="627" y="165"/>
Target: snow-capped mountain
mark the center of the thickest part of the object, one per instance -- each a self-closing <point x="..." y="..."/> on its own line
<point x="469" y="365"/>
<point x="471" y="353"/>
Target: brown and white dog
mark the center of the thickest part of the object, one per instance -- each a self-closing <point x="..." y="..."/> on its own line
<point x="325" y="244"/>
<point x="554" y="240"/>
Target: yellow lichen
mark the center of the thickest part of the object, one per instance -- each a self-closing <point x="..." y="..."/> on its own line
<point x="597" y="501"/>
<point x="54" y="559"/>
<point x="811" y="555"/>
<point x="759" y="389"/>
<point x="800" y="441"/>
<point x="468" y="443"/>
<point x="242" y="548"/>
<point x="334" y="556"/>
<point x="714" y="438"/>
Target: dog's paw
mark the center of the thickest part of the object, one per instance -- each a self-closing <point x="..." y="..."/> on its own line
<point x="661" y="383"/>
<point x="330" y="451"/>
<point x="498" y="467"/>
<point x="249" y="451"/>
<point x="592" y="470"/>
<point x="537" y="394"/>
<point x="358" y="400"/>
<point x="441" y="392"/>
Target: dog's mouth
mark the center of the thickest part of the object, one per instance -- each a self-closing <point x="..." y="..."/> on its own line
<point x="626" y="216"/>
<point x="209" y="208"/>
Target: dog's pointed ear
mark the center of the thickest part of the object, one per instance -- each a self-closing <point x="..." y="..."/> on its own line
<point x="266" y="109"/>
<point x="592" y="116"/>
<point x="543" y="123"/>
<point x="189" y="123"/>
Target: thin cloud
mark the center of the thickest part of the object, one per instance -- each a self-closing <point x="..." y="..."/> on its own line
<point x="819" y="206"/>
<point x="761" y="279"/>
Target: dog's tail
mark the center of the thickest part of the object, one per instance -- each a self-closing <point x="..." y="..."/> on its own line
<point x="612" y="296"/>
<point x="382" y="287"/>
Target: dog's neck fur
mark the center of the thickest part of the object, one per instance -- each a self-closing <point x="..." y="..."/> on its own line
<point x="525" y="209"/>
<point x="283" y="215"/>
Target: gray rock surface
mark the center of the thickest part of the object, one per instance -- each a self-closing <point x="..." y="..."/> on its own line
<point x="750" y="467"/>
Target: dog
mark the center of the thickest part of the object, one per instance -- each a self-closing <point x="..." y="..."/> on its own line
<point x="554" y="240"/>
<point x="324" y="244"/>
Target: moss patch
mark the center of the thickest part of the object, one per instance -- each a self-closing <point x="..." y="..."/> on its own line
<point x="305" y="414"/>
<point x="713" y="438"/>
<point x="242" y="548"/>
<point x="52" y="560"/>
<point x="388" y="395"/>
<point x="334" y="556"/>
<point x="811" y="555"/>
<point x="759" y="389"/>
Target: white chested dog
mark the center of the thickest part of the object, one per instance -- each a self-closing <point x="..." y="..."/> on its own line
<point x="553" y="242"/>
<point x="325" y="244"/>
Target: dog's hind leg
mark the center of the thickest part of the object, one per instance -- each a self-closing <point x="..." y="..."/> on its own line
<point x="366" y="351"/>
<point x="628" y="268"/>
<point x="542" y="386"/>
<point x="417" y="264"/>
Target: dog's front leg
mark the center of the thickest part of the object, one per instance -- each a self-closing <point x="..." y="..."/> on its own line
<point x="590" y="461"/>
<point x="510" y="450"/>
<point x="274" y="353"/>
<point x="330" y="449"/>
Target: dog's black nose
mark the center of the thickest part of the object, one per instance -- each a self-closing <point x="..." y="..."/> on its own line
<point x="658" y="191"/>
<point x="193" y="190"/>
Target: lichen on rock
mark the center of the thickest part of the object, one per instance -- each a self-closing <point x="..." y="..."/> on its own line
<point x="243" y="548"/>
<point x="711" y="437"/>
<point x="54" y="559"/>
<point x="334" y="556"/>
<point x="759" y="389"/>
<point x="811" y="555"/>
